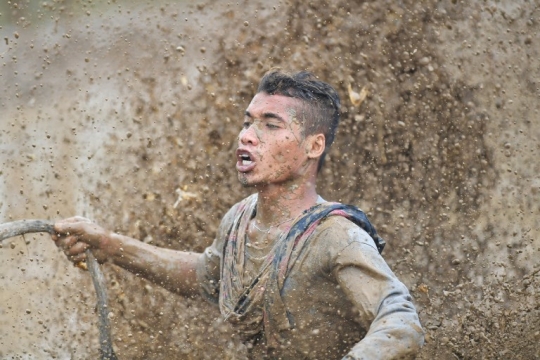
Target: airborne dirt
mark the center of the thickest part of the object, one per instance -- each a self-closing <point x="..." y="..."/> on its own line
<point x="128" y="115"/>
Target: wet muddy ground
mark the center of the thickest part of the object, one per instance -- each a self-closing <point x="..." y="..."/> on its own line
<point x="128" y="114"/>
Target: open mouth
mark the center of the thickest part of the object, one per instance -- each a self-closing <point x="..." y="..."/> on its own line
<point x="245" y="159"/>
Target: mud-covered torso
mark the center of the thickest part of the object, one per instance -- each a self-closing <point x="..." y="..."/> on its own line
<point x="331" y="294"/>
<point x="319" y="311"/>
<point x="324" y="320"/>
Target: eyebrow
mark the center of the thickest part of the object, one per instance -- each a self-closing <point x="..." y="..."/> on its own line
<point x="266" y="115"/>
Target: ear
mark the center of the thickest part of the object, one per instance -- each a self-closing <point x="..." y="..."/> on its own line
<point x="315" y="145"/>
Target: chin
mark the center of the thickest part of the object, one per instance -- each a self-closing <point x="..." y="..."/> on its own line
<point x="242" y="178"/>
<point x="249" y="182"/>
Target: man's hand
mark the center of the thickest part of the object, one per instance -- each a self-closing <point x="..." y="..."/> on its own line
<point x="77" y="234"/>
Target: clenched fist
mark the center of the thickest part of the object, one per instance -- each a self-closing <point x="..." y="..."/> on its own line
<point x="77" y="234"/>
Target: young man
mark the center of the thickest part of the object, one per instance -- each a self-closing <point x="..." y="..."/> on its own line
<point x="298" y="277"/>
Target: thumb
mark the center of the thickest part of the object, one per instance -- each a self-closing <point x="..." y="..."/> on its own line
<point x="84" y="231"/>
<point x="67" y="227"/>
<point x="71" y="225"/>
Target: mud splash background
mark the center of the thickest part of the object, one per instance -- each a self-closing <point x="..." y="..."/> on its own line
<point x="128" y="113"/>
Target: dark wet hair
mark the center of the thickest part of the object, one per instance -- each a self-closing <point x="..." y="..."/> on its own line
<point x="321" y="102"/>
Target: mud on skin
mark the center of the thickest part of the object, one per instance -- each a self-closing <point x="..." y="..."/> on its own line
<point x="441" y="154"/>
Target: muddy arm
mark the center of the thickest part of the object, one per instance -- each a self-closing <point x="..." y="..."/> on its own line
<point x="172" y="269"/>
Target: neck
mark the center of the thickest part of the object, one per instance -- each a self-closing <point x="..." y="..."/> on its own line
<point x="280" y="202"/>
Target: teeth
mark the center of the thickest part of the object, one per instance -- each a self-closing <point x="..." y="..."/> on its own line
<point x="246" y="162"/>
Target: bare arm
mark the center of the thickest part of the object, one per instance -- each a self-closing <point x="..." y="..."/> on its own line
<point x="174" y="270"/>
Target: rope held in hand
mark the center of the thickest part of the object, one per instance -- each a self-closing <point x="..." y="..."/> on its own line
<point x="22" y="227"/>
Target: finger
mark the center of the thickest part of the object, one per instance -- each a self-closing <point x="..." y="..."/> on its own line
<point x="79" y="258"/>
<point x="76" y="249"/>
<point x="81" y="219"/>
<point x="75" y="219"/>
<point x="65" y="242"/>
<point x="63" y="226"/>
<point x="71" y="225"/>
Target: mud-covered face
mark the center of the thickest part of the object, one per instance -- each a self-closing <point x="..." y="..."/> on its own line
<point x="271" y="145"/>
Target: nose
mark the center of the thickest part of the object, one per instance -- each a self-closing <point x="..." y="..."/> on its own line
<point x="248" y="136"/>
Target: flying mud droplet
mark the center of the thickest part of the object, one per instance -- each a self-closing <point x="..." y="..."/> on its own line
<point x="357" y="98"/>
<point x="183" y="194"/>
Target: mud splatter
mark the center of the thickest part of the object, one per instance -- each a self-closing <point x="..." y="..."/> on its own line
<point x="441" y="152"/>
